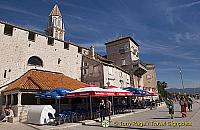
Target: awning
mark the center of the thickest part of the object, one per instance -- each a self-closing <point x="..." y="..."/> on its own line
<point x="120" y="92"/>
<point x="90" y="91"/>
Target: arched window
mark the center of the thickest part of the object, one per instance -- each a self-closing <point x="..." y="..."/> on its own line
<point x="36" y="61"/>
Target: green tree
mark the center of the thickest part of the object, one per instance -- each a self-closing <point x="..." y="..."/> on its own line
<point x="161" y="89"/>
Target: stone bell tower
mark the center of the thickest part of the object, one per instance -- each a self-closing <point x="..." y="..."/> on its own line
<point x="55" y="26"/>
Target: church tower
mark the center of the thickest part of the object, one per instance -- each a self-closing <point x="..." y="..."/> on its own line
<point x="55" y="26"/>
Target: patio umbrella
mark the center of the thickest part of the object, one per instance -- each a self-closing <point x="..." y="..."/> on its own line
<point x="119" y="92"/>
<point x="90" y="92"/>
<point x="56" y="94"/>
<point x="152" y="94"/>
<point x="134" y="90"/>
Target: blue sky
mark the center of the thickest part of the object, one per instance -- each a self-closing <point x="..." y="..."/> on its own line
<point x="168" y="31"/>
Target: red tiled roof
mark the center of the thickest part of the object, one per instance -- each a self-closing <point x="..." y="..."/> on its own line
<point x="55" y="11"/>
<point x="44" y="80"/>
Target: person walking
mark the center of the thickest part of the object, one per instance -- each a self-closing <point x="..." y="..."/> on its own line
<point x="183" y="105"/>
<point x="108" y="109"/>
<point x="123" y="106"/>
<point x="190" y="102"/>
<point x="152" y="104"/>
<point x="170" y="105"/>
<point x="102" y="110"/>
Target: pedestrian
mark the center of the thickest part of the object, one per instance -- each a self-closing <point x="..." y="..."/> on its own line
<point x="190" y="102"/>
<point x="183" y="104"/>
<point x="143" y="103"/>
<point x="108" y="109"/>
<point x="102" y="110"/>
<point x="123" y="106"/>
<point x="152" y="105"/>
<point x="170" y="105"/>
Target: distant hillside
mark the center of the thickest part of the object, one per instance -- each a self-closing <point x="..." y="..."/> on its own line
<point x="186" y="90"/>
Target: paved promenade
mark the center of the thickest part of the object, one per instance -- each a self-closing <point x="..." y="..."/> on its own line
<point x="140" y="120"/>
<point x="153" y="119"/>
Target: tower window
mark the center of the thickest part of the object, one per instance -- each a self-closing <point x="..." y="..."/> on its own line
<point x="66" y="45"/>
<point x="5" y="74"/>
<point x="121" y="51"/>
<point x="8" y="30"/>
<point x="79" y="49"/>
<point x="36" y="61"/>
<point x="50" y="41"/>
<point x="59" y="60"/>
<point x="85" y="71"/>
<point x="59" y="22"/>
<point x="85" y="64"/>
<point x="123" y="62"/>
<point x="31" y="36"/>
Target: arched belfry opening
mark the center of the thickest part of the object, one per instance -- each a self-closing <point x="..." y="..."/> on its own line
<point x="35" y="61"/>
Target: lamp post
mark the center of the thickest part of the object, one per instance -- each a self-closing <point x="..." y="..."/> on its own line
<point x="181" y="76"/>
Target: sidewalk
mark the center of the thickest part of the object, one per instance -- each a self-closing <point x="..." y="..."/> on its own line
<point x="23" y="126"/>
<point x="86" y="122"/>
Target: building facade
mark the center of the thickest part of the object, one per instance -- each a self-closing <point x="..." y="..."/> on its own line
<point x="23" y="49"/>
<point x="124" y="52"/>
<point x="149" y="78"/>
<point x="103" y="74"/>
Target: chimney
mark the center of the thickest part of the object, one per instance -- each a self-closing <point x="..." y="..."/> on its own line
<point x="92" y="52"/>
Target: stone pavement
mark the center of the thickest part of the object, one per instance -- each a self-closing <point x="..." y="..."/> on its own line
<point x="155" y="119"/>
<point x="23" y="126"/>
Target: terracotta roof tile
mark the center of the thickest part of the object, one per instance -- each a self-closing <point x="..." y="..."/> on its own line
<point x="44" y="80"/>
<point x="55" y="11"/>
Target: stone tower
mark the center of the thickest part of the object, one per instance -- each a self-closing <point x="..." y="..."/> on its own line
<point x="55" y="26"/>
<point x="124" y="52"/>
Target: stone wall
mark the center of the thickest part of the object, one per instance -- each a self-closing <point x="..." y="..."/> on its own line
<point x="92" y="72"/>
<point x="17" y="49"/>
<point x="99" y="73"/>
<point x="150" y="77"/>
<point x="122" y="50"/>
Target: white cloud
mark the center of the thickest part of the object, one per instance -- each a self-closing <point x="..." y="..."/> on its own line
<point x="184" y="5"/>
<point x="8" y="8"/>
<point x="179" y="37"/>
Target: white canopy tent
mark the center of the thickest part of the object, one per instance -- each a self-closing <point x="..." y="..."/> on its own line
<point x="41" y="114"/>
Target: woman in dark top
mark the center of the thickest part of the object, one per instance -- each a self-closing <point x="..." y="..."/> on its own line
<point x="102" y="110"/>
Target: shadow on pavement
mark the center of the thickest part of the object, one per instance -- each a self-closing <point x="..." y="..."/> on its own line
<point x="31" y="126"/>
<point x="168" y="111"/>
<point x="161" y="118"/>
<point x="137" y="128"/>
<point x="166" y="117"/>
<point x="178" y="117"/>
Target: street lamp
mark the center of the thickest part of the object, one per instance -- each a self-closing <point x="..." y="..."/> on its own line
<point x="181" y="76"/>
